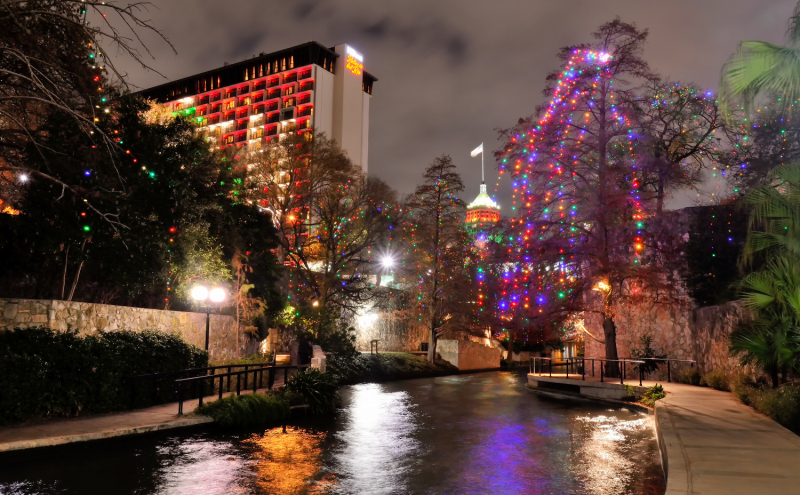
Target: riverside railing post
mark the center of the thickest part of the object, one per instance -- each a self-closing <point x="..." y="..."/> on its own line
<point x="180" y="399"/>
<point x="641" y="372"/>
<point x="567" y="368"/>
<point x="238" y="385"/>
<point x="245" y="377"/>
<point x="202" y="389"/>
<point x="229" y="378"/>
<point x="221" y="380"/>
<point x="669" y="376"/>
<point x="622" y="375"/>
<point x="255" y="382"/>
<point x="583" y="369"/>
<point x="601" y="372"/>
<point x="592" y="367"/>
<point x="551" y="367"/>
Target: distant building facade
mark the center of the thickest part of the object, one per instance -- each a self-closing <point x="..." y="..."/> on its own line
<point x="296" y="89"/>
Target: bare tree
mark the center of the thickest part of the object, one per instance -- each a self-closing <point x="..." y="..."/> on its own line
<point x="329" y="216"/>
<point x="677" y="125"/>
<point x="438" y="248"/>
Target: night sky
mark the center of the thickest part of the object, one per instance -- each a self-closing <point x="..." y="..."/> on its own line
<point x="452" y="72"/>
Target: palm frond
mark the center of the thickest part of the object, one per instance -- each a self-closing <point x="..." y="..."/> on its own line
<point x="757" y="68"/>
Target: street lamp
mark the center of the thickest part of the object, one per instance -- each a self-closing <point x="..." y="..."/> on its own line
<point x="216" y="295"/>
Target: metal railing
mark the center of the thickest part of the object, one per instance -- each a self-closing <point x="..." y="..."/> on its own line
<point x="134" y="382"/>
<point x="578" y="366"/>
<point x="577" y="363"/>
<point x="258" y="381"/>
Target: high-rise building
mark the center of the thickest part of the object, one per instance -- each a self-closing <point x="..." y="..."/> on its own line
<point x="297" y="89"/>
<point x="483" y="211"/>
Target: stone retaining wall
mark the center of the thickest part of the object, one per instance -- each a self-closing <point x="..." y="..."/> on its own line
<point x="680" y="332"/>
<point x="88" y="319"/>
<point x="467" y="355"/>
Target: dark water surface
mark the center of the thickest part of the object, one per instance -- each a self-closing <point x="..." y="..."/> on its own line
<point x="467" y="434"/>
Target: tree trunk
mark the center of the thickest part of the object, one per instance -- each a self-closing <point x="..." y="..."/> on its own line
<point x="660" y="194"/>
<point x="432" y="344"/>
<point x="773" y="374"/>
<point x="510" y="350"/>
<point x="610" y="331"/>
<point x="64" y="278"/>
<point x="75" y="282"/>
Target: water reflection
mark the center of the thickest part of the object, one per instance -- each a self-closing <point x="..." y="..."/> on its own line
<point x="606" y="447"/>
<point x="288" y="462"/>
<point x="376" y="445"/>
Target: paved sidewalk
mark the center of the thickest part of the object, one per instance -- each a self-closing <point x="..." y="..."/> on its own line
<point x="62" y="431"/>
<point x="716" y="445"/>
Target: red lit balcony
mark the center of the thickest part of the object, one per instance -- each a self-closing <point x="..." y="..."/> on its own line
<point x="258" y="98"/>
<point x="306" y="86"/>
<point x="274" y="118"/>
<point x="305" y="74"/>
<point x="305" y="111"/>
<point x="242" y="125"/>
<point x="290" y="78"/>
<point x="241" y="138"/>
<point x="203" y="100"/>
<point x="215" y="97"/>
<point x="304" y="99"/>
<point x="259" y="85"/>
<point x="273" y="82"/>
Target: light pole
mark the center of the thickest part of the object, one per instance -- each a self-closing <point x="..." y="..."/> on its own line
<point x="216" y="295"/>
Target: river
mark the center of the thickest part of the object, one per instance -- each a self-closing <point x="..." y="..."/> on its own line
<point x="481" y="433"/>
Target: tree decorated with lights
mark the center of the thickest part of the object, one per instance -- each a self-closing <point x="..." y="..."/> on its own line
<point x="437" y="253"/>
<point x="677" y="127"/>
<point x="581" y="241"/>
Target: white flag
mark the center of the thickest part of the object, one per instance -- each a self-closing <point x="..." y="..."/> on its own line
<point x="477" y="151"/>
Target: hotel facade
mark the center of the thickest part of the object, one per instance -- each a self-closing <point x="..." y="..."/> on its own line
<point x="297" y="89"/>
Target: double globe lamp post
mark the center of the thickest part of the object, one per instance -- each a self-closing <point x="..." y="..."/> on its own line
<point x="215" y="296"/>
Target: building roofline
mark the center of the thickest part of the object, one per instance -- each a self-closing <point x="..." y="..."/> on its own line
<point x="235" y="65"/>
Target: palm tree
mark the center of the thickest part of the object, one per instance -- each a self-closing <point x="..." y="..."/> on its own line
<point x="759" y="68"/>
<point x="770" y="341"/>
<point x="774" y="225"/>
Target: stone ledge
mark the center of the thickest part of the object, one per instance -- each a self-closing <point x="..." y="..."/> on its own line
<point x="598" y="390"/>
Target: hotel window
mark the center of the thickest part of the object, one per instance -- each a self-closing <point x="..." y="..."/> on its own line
<point x="230" y="105"/>
<point x="289" y="102"/>
<point x="288" y="91"/>
<point x="291" y="62"/>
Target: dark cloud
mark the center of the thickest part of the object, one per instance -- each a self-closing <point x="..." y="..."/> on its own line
<point x="452" y="71"/>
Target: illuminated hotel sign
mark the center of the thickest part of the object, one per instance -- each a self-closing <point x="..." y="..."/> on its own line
<point x="354" y="62"/>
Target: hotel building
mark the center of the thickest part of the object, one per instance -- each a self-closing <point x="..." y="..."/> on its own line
<point x="297" y="89"/>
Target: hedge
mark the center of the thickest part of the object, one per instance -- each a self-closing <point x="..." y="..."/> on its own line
<point x="46" y="373"/>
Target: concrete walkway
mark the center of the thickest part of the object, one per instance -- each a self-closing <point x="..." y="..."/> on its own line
<point x="716" y="445"/>
<point x="62" y="431"/>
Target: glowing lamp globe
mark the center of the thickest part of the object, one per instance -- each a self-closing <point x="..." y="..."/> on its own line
<point x="217" y="295"/>
<point x="200" y="293"/>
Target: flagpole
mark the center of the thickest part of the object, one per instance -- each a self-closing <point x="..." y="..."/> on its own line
<point x="482" y="180"/>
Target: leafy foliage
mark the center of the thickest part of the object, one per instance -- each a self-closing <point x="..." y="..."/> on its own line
<point x="781" y="404"/>
<point x="652" y="394"/>
<point x="717" y="379"/>
<point x="44" y="373"/>
<point x="248" y="410"/>
<point x="320" y="390"/>
<point x="386" y="366"/>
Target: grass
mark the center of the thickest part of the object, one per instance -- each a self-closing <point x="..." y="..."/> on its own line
<point x="386" y="366"/>
<point x="243" y="411"/>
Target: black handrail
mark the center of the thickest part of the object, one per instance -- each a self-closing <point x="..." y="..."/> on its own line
<point x="258" y="380"/>
<point x="669" y="361"/>
<point x="574" y="362"/>
<point x="131" y="381"/>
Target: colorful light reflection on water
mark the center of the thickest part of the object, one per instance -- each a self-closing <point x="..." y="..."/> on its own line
<point x="468" y="434"/>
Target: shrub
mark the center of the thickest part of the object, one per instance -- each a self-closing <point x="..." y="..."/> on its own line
<point x="652" y="394"/>
<point x="781" y="404"/>
<point x="386" y="366"/>
<point x="718" y="380"/>
<point x="45" y="373"/>
<point x="652" y="360"/>
<point x="689" y="376"/>
<point x="244" y="411"/>
<point x="320" y="390"/>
